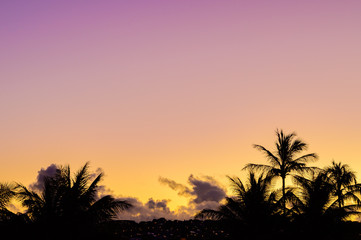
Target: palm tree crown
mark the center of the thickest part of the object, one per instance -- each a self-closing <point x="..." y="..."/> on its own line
<point x="254" y="206"/>
<point x="6" y="194"/>
<point x="284" y="160"/>
<point x="70" y="201"/>
<point x="344" y="184"/>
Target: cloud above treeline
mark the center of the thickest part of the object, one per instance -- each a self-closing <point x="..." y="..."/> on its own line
<point x="202" y="192"/>
<point x="42" y="174"/>
<point x="152" y="209"/>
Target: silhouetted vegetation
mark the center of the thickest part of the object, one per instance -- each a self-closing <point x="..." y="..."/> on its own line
<point x="284" y="160"/>
<point x="321" y="204"/>
<point x="66" y="207"/>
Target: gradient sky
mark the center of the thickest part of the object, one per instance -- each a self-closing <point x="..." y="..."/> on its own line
<point x="149" y="89"/>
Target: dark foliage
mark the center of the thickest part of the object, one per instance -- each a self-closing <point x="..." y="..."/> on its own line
<point x="68" y="207"/>
<point x="284" y="160"/>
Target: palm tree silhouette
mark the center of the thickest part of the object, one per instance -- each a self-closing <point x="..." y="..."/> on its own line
<point x="69" y="201"/>
<point x="10" y="222"/>
<point x="344" y="184"/>
<point x="316" y="210"/>
<point x="253" y="207"/>
<point x="284" y="161"/>
<point x="6" y="194"/>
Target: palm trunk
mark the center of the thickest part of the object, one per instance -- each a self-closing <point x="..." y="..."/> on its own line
<point x="339" y="199"/>
<point x="284" y="195"/>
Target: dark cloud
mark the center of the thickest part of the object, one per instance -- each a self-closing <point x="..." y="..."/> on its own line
<point x="151" y="204"/>
<point x="162" y="204"/>
<point x="152" y="209"/>
<point x="206" y="190"/>
<point x="48" y="172"/>
<point x="202" y="190"/>
<point x="204" y="193"/>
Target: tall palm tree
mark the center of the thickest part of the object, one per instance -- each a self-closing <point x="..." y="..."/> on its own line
<point x="254" y="206"/>
<point x="344" y="184"/>
<point x="70" y="201"/>
<point x="284" y="160"/>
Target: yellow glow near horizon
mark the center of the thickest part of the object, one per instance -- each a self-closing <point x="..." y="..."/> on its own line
<point x="174" y="89"/>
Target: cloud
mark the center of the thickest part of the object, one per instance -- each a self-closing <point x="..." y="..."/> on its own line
<point x="180" y="188"/>
<point x="103" y="191"/>
<point x="202" y="190"/>
<point x="151" y="204"/>
<point x="95" y="174"/>
<point x="152" y="209"/>
<point x="48" y="172"/>
<point x="206" y="190"/>
<point x="203" y="193"/>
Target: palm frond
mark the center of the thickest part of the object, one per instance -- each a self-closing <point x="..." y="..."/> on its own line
<point x="210" y="214"/>
<point x="6" y="194"/>
<point x="306" y="158"/>
<point x="90" y="193"/>
<point x="106" y="209"/>
<point x="269" y="155"/>
<point x="258" y="167"/>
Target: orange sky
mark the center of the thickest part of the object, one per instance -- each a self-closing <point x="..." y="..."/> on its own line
<point x="169" y="89"/>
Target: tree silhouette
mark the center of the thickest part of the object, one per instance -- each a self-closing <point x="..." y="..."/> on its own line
<point x="253" y="207"/>
<point x="314" y="204"/>
<point x="6" y="194"/>
<point x="70" y="203"/>
<point x="284" y="160"/>
<point x="344" y="184"/>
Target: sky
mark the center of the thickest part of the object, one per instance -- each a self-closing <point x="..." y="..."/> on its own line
<point x="160" y="93"/>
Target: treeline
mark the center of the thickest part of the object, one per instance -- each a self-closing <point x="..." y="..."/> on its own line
<point x="322" y="203"/>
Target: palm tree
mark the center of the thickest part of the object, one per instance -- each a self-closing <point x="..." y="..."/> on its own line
<point x="284" y="160"/>
<point x="70" y="202"/>
<point x="316" y="210"/>
<point x="344" y="183"/>
<point x="254" y="206"/>
<point x="6" y="194"/>
<point x="11" y="222"/>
